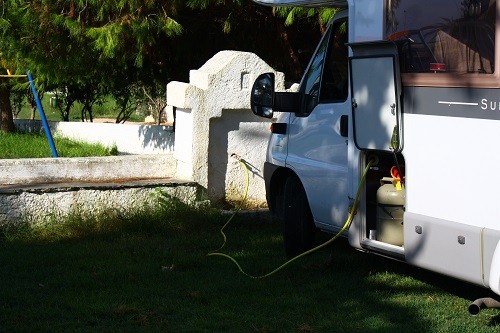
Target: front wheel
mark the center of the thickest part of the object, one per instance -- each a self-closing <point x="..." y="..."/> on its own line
<point x="299" y="229"/>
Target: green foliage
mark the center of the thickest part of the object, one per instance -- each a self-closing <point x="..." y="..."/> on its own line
<point x="107" y="39"/>
<point x="172" y="28"/>
<point x="326" y="15"/>
<point x="87" y="49"/>
<point x="292" y="14"/>
<point x="204" y="4"/>
<point x="116" y="39"/>
<point x="4" y="24"/>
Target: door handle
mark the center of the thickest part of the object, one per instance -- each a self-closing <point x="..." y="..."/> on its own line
<point x="344" y="125"/>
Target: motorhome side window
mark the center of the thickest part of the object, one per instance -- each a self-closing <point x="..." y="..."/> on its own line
<point x="331" y="61"/>
<point x="453" y="36"/>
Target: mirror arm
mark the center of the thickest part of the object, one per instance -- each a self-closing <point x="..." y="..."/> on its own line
<point x="286" y="101"/>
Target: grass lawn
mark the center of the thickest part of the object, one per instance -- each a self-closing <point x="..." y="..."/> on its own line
<point x="150" y="273"/>
<point x="28" y="145"/>
<point x="107" y="109"/>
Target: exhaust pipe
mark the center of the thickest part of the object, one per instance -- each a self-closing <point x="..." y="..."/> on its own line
<point x="483" y="303"/>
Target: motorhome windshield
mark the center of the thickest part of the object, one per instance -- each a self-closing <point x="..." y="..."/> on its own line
<point x="452" y="36"/>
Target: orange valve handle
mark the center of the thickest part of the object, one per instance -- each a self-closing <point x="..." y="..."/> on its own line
<point x="395" y="173"/>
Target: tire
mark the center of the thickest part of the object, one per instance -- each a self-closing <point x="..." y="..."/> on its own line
<point x="299" y="229"/>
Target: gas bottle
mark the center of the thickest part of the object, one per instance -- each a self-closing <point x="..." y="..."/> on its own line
<point x="390" y="210"/>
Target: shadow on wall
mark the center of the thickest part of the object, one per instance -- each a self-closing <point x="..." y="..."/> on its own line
<point x="130" y="139"/>
<point x="156" y="137"/>
<point x="30" y="126"/>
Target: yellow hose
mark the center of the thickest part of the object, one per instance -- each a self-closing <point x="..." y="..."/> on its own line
<point x="237" y="209"/>
<point x="352" y="212"/>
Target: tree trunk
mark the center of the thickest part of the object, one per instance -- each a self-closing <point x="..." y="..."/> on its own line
<point x="124" y="113"/>
<point x="84" y="114"/>
<point x="31" y="100"/>
<point x="64" y="110"/>
<point x="87" y="110"/>
<point x="6" y="117"/>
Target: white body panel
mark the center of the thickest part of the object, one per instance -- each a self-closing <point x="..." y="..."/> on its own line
<point x="367" y="20"/>
<point x="451" y="171"/>
<point x="278" y="144"/>
<point x="318" y="154"/>
<point x="495" y="271"/>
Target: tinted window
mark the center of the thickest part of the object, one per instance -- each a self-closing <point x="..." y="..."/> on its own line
<point x="454" y="36"/>
<point x="311" y="82"/>
<point x="326" y="78"/>
<point x="335" y="75"/>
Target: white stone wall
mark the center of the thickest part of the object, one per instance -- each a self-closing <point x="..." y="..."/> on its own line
<point x="214" y="121"/>
<point x="128" y="138"/>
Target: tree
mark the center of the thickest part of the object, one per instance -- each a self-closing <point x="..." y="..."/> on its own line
<point x="70" y="44"/>
<point x="88" y="48"/>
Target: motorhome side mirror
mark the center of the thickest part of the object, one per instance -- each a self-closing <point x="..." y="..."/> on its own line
<point x="262" y="95"/>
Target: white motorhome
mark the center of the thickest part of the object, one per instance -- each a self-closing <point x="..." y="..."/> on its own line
<point x="411" y="88"/>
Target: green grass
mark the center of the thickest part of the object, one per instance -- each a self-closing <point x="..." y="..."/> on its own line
<point x="150" y="273"/>
<point x="28" y="145"/>
<point x="108" y="109"/>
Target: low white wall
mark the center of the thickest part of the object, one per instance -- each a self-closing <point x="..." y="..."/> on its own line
<point x="45" y="203"/>
<point x="128" y="138"/>
<point x="85" y="169"/>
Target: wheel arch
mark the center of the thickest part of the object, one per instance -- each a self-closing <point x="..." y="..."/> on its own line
<point x="276" y="190"/>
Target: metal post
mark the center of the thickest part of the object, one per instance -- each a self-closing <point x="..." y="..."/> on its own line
<point x="42" y="116"/>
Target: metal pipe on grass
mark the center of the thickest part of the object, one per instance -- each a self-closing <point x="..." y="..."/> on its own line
<point x="483" y="303"/>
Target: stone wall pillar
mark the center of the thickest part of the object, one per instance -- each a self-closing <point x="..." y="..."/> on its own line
<point x="214" y="121"/>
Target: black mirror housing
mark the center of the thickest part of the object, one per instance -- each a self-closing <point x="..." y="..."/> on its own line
<point x="262" y="95"/>
<point x="264" y="100"/>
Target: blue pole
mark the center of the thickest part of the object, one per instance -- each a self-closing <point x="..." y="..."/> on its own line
<point x="42" y="116"/>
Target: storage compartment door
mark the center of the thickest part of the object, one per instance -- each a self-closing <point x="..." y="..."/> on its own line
<point x="376" y="92"/>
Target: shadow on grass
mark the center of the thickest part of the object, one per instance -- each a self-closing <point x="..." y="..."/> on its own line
<point x="151" y="273"/>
